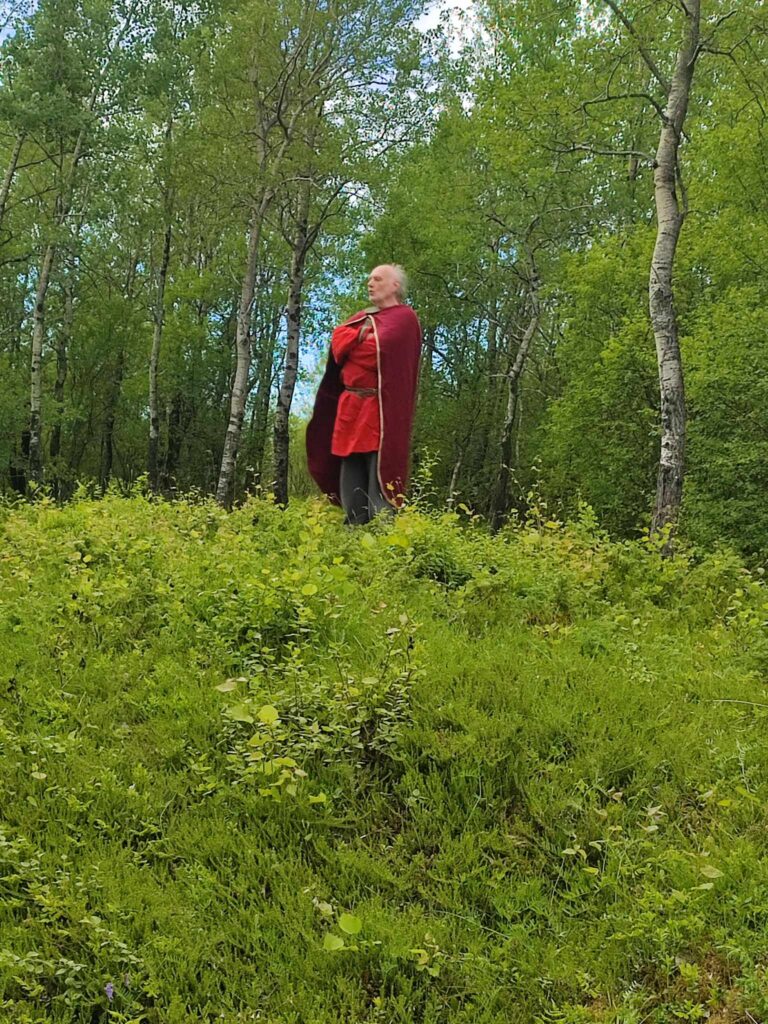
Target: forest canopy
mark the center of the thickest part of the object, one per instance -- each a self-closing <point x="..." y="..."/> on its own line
<point x="193" y="193"/>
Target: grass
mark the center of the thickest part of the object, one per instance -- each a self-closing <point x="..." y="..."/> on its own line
<point x="257" y="767"/>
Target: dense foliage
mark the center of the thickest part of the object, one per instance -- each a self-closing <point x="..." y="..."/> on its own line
<point x="177" y="176"/>
<point x="254" y="766"/>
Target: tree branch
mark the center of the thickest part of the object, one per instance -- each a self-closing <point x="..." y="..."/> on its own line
<point x="627" y="96"/>
<point x="731" y="56"/>
<point x="583" y="147"/>
<point x="644" y="53"/>
<point x="715" y="27"/>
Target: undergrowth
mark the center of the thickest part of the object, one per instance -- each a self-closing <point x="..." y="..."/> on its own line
<point x="260" y="767"/>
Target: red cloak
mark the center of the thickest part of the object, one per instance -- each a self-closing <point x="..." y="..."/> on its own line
<point x="398" y="346"/>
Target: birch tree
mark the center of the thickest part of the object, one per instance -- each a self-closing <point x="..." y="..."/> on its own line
<point x="671" y="209"/>
<point x="301" y="244"/>
<point x="298" y="59"/>
<point x="158" y="315"/>
<point x="500" y="500"/>
<point x="691" y="28"/>
<point x="317" y="198"/>
<point x="101" y="33"/>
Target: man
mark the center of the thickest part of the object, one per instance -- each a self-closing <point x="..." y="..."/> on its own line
<point x="359" y="437"/>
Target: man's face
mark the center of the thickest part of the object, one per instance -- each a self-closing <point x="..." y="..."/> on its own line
<point x="382" y="286"/>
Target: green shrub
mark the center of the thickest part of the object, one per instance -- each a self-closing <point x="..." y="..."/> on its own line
<point x="259" y="766"/>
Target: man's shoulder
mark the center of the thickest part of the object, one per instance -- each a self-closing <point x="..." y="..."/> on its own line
<point x="357" y="317"/>
<point x="404" y="325"/>
<point x="413" y="317"/>
<point x="403" y="311"/>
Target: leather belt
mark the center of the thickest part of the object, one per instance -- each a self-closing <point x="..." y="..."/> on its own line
<point x="363" y="392"/>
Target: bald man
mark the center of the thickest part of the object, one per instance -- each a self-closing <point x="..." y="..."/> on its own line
<point x="358" y="441"/>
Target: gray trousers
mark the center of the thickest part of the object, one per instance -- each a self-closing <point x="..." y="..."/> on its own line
<point x="361" y="495"/>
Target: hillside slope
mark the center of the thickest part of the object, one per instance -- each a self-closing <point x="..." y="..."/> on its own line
<point x="260" y="767"/>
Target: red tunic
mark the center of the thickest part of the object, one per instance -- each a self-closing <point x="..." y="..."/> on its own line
<point x="398" y="336"/>
<point x="357" y="417"/>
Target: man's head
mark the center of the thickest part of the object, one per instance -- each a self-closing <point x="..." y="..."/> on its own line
<point x="387" y="285"/>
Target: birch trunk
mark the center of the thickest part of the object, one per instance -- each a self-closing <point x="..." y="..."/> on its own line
<point x="108" y="435"/>
<point x="260" y="416"/>
<point x="36" y="367"/>
<point x="453" y="485"/>
<point x="239" y="396"/>
<point x="500" y="503"/>
<point x="670" y="215"/>
<point x="225" y="487"/>
<point x="5" y="189"/>
<point x="113" y="399"/>
<point x="490" y="416"/>
<point x="427" y="367"/>
<point x="154" y="362"/>
<point x="63" y="205"/>
<point x="62" y="351"/>
<point x="288" y="384"/>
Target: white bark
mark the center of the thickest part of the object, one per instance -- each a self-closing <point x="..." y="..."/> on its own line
<point x="501" y="491"/>
<point x="243" y="356"/>
<point x="5" y="189"/>
<point x="453" y="485"/>
<point x="36" y="367"/>
<point x="291" y="369"/>
<point x="154" y="362"/>
<point x="62" y="349"/>
<point x="670" y="215"/>
<point x="63" y="205"/>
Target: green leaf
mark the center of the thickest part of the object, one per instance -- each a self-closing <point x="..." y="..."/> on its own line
<point x="309" y="589"/>
<point x="350" y="924"/>
<point x="228" y="686"/>
<point x="268" y="715"/>
<point x="240" y="713"/>
<point x="399" y="540"/>
<point x="332" y="942"/>
<point x="710" y="871"/>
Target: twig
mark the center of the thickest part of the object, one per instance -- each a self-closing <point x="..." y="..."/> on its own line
<point x="584" y="147"/>
<point x="626" y="96"/>
<point x="730" y="700"/>
<point x="651" y="63"/>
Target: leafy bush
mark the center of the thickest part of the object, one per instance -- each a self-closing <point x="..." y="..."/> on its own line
<point x="259" y="766"/>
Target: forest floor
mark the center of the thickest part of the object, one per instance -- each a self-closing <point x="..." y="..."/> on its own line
<point x="260" y="767"/>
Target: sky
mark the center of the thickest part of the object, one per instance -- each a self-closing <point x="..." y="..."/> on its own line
<point x="431" y="18"/>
